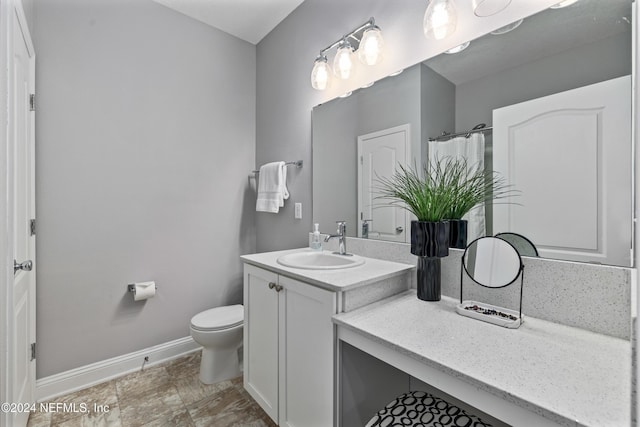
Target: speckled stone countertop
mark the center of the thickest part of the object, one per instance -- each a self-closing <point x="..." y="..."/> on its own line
<point x="373" y="270"/>
<point x="568" y="375"/>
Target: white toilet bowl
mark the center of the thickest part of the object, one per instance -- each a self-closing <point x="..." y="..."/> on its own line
<point x="219" y="332"/>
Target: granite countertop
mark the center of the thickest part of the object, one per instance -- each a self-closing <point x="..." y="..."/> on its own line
<point x="568" y="375"/>
<point x="373" y="270"/>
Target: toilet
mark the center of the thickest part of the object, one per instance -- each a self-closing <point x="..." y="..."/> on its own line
<point x="219" y="332"/>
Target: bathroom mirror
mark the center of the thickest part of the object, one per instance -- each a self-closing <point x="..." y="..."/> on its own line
<point x="492" y="262"/>
<point x="453" y="93"/>
<point x="524" y="246"/>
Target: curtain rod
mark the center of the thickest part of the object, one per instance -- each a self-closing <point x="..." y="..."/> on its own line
<point x="467" y="133"/>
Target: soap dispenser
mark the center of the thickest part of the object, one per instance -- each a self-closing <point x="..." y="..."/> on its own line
<point x="316" y="243"/>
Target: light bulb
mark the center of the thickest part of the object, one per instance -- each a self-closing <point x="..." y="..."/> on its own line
<point x="440" y="19"/>
<point x="370" y="50"/>
<point x="343" y="63"/>
<point x="320" y="73"/>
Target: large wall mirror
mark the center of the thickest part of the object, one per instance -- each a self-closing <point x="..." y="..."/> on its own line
<point x="554" y="91"/>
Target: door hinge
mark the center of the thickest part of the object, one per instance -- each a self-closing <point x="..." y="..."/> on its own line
<point x="33" y="351"/>
<point x="32" y="227"/>
<point x="32" y="102"/>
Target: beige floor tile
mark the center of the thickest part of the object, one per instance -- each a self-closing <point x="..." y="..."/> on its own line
<point x="227" y="408"/>
<point x="39" y="419"/>
<point x="158" y="403"/>
<point x="138" y="383"/>
<point x="184" y="366"/>
<point x="82" y="402"/>
<point x="110" y="418"/>
<point x="168" y="395"/>
<point x="177" y="419"/>
<point x="191" y="389"/>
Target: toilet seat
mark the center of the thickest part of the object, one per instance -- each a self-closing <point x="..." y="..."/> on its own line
<point x="219" y="318"/>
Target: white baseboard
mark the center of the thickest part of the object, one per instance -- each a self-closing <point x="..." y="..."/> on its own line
<point x="99" y="372"/>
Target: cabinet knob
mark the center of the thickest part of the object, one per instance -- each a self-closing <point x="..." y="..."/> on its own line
<point x="272" y="285"/>
<point x="278" y="288"/>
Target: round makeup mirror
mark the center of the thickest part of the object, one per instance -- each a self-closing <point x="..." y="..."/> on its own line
<point x="524" y="246"/>
<point x="492" y="262"/>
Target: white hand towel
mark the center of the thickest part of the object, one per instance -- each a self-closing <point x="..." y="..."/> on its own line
<point x="272" y="187"/>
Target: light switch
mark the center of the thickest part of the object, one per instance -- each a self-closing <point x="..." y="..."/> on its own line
<point x="298" y="211"/>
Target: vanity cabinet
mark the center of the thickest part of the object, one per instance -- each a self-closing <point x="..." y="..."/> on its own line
<point x="288" y="348"/>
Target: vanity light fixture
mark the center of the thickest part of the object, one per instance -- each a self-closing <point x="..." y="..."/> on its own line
<point x="484" y="8"/>
<point x="366" y="41"/>
<point x="440" y="19"/>
<point x="564" y="3"/>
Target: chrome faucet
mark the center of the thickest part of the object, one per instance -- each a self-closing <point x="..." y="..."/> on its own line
<point x="342" y="234"/>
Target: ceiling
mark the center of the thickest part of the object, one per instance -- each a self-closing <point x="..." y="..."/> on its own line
<point x="249" y="20"/>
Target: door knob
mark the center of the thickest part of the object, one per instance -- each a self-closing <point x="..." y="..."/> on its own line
<point x="272" y="285"/>
<point x="399" y="229"/>
<point x="24" y="266"/>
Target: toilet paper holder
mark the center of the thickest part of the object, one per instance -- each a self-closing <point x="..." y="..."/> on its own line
<point x="132" y="288"/>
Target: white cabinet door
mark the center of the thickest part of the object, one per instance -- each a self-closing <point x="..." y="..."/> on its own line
<point x="261" y="338"/>
<point x="306" y="354"/>
<point x="288" y="348"/>
<point x="570" y="156"/>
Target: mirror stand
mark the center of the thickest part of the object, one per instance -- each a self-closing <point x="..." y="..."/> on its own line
<point x="491" y="263"/>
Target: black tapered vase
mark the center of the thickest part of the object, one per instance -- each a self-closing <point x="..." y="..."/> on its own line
<point x="430" y="242"/>
<point x="428" y="283"/>
<point x="458" y="233"/>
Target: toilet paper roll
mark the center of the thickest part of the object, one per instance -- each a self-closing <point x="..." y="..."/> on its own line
<point x="144" y="290"/>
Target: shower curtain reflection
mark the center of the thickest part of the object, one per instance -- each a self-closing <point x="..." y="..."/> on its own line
<point x="464" y="147"/>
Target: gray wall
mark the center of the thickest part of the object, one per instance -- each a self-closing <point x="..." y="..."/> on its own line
<point x="585" y="65"/>
<point x="145" y="138"/>
<point x="27" y="6"/>
<point x="438" y="99"/>
<point x="285" y="96"/>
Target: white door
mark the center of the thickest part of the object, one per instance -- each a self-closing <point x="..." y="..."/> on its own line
<point x="21" y="328"/>
<point x="306" y="355"/>
<point x="380" y="153"/>
<point x="570" y="156"/>
<point x="261" y="338"/>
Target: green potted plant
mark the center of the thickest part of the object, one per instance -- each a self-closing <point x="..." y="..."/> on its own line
<point x="444" y="191"/>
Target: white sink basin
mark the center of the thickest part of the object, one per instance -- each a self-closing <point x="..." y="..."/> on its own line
<point x="312" y="260"/>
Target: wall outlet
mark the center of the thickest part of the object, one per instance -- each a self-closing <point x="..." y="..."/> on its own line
<point x="298" y="211"/>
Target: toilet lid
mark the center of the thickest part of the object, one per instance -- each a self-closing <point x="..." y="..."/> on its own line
<point x="219" y="318"/>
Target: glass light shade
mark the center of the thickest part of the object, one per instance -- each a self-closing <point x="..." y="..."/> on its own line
<point x="483" y="8"/>
<point x="343" y="62"/>
<point x="370" y="50"/>
<point x="507" y="28"/>
<point x="320" y="73"/>
<point x="440" y="19"/>
<point x="564" y="3"/>
<point x="458" y="48"/>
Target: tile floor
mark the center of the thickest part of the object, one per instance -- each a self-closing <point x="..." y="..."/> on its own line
<point x="161" y="396"/>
